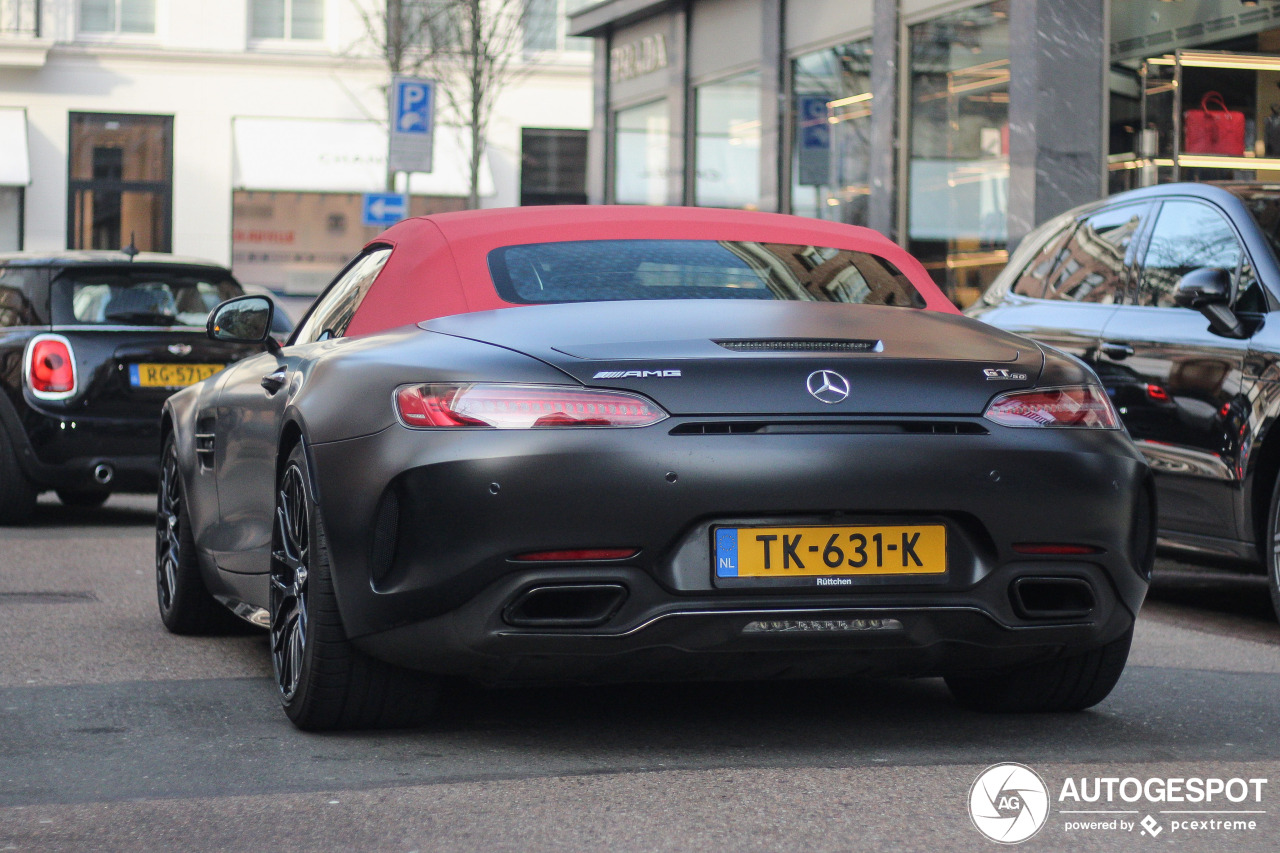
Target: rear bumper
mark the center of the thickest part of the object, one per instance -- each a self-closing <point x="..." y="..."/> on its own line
<point x="422" y="527"/>
<point x="656" y="636"/>
<point x="70" y="451"/>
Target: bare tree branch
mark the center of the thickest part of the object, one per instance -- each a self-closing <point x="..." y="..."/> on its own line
<point x="474" y="49"/>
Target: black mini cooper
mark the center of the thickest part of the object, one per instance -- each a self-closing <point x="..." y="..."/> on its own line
<point x="91" y="344"/>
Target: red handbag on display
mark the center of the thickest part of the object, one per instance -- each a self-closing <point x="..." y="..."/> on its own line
<point x="1213" y="129"/>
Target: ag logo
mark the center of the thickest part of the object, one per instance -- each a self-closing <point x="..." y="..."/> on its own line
<point x="1008" y="803"/>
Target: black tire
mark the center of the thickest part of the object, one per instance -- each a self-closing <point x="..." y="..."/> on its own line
<point x="1270" y="549"/>
<point x="186" y="607"/>
<point x="324" y="682"/>
<point x="83" y="498"/>
<point x="17" y="493"/>
<point x="1067" y="684"/>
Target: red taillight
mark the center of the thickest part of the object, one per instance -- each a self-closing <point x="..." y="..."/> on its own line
<point x="1078" y="406"/>
<point x="1054" y="549"/>
<point x="577" y="555"/>
<point x="51" y="369"/>
<point x="1157" y="393"/>
<point x="502" y="406"/>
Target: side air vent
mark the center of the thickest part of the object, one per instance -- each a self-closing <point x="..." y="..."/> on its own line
<point x="802" y="345"/>
<point x="825" y="427"/>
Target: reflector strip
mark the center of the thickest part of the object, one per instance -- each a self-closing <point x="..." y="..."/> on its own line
<point x="1054" y="549"/>
<point x="573" y="555"/>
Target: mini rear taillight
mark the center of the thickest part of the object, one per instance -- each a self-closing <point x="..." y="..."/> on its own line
<point x="50" y="367"/>
<point x="1084" y="406"/>
<point x="507" y="406"/>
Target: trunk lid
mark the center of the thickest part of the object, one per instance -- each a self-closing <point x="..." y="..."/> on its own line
<point x="755" y="357"/>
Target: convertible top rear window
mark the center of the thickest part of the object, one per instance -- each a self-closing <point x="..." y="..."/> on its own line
<point x="611" y="270"/>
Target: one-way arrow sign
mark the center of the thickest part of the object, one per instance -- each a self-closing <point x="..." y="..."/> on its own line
<point x="383" y="209"/>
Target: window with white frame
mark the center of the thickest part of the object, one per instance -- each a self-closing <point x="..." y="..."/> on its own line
<point x="286" y="19"/>
<point x="546" y="23"/>
<point x="117" y="16"/>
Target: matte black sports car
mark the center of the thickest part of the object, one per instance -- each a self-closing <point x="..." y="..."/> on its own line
<point x="708" y="444"/>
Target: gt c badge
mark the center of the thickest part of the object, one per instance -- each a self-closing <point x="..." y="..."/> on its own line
<point x="1000" y="373"/>
<point x="827" y="386"/>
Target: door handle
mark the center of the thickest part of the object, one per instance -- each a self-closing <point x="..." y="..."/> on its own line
<point x="1117" y="351"/>
<point x="275" y="380"/>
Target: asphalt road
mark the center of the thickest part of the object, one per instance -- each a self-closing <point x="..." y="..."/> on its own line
<point x="115" y="735"/>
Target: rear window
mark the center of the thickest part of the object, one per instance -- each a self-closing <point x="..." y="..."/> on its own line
<point x="611" y="270"/>
<point x="138" y="297"/>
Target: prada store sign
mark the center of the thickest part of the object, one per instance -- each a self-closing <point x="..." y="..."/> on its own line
<point x="637" y="58"/>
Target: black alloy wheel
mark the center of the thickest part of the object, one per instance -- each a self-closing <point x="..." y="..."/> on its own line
<point x="325" y="682"/>
<point x="186" y="607"/>
<point x="1271" y="549"/>
<point x="290" y="556"/>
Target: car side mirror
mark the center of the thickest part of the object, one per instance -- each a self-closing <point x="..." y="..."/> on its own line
<point x="1208" y="290"/>
<point x="243" y="320"/>
<point x="1205" y="286"/>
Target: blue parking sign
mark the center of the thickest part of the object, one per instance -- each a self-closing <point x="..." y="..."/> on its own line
<point x="413" y="106"/>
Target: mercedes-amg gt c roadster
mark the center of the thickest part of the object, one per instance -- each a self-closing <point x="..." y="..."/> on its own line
<point x="611" y="444"/>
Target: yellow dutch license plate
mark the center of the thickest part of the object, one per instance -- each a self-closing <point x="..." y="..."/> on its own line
<point x="170" y="375"/>
<point x="789" y="552"/>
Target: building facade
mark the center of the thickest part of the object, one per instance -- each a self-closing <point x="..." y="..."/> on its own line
<point x="248" y="131"/>
<point x="953" y="127"/>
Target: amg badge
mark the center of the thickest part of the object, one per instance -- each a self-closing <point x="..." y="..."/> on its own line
<point x="633" y="374"/>
<point x="1001" y="373"/>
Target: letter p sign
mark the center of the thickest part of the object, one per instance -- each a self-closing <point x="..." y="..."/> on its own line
<point x="413" y="106"/>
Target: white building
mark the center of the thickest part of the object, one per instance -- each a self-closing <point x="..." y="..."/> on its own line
<point x="246" y="131"/>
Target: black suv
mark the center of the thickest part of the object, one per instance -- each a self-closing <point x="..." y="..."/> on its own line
<point x="91" y="344"/>
<point x="1171" y="294"/>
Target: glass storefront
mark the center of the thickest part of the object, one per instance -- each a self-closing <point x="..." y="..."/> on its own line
<point x="121" y="182"/>
<point x="727" y="152"/>
<point x="642" y="150"/>
<point x="958" y="173"/>
<point x="831" y="133"/>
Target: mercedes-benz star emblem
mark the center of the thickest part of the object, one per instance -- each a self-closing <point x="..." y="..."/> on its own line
<point x="180" y="349"/>
<point x="828" y="386"/>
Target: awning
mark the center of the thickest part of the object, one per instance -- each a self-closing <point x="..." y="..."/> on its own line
<point x="316" y="155"/>
<point x="15" y="165"/>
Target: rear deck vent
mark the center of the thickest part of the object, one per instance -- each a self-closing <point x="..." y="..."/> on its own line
<point x="808" y="345"/>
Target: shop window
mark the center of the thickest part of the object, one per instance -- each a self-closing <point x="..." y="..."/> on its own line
<point x="553" y="166"/>
<point x="641" y="154"/>
<point x="727" y="150"/>
<point x="11" y="209"/>
<point x="832" y="133"/>
<point x="286" y="19"/>
<point x="121" y="182"/>
<point x="958" y="180"/>
<point x="117" y="16"/>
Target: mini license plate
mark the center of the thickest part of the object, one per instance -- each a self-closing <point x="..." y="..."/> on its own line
<point x="170" y="375"/>
<point x="789" y="552"/>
